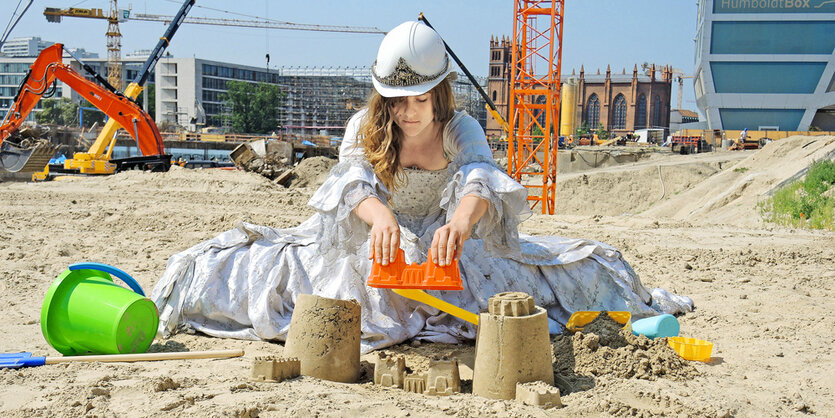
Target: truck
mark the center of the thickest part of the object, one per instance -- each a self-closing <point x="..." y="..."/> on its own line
<point x="688" y="144"/>
<point x="649" y="136"/>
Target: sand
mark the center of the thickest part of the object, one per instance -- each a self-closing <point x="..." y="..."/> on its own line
<point x="763" y="294"/>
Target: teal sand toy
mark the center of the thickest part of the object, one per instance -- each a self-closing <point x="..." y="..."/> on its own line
<point x="664" y="325"/>
<point x="85" y="312"/>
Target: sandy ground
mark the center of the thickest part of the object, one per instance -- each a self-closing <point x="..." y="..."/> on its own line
<point x="685" y="223"/>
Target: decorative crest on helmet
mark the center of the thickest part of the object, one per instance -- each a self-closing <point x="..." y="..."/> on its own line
<point x="404" y="76"/>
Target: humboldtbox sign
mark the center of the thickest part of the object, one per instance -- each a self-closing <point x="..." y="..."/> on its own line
<point x="774" y="6"/>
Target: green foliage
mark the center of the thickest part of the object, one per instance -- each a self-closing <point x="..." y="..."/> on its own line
<point x="804" y="203"/>
<point x="150" y="90"/>
<point x="602" y="133"/>
<point x="536" y="132"/>
<point x="582" y="130"/>
<point x="61" y="111"/>
<point x="741" y="169"/>
<point x="254" y="106"/>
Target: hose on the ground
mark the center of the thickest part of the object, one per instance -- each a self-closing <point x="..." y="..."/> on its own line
<point x="663" y="188"/>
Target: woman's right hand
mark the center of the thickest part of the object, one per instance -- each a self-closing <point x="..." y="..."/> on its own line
<point x="385" y="232"/>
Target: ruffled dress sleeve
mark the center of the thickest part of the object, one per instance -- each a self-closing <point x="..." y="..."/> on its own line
<point x="350" y="182"/>
<point x="474" y="172"/>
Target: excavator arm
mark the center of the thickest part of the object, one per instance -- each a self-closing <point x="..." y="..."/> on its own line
<point x="46" y="69"/>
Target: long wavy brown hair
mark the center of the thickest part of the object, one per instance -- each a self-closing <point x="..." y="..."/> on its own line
<point x="381" y="137"/>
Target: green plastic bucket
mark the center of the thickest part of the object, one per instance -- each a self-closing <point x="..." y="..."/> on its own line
<point x="85" y="312"/>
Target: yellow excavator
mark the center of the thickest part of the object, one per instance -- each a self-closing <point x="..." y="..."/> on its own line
<point x="20" y="154"/>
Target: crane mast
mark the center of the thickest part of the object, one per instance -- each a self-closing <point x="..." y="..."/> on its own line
<point x="535" y="98"/>
<point x="114" y="48"/>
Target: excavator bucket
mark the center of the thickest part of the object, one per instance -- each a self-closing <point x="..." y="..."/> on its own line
<point x="26" y="156"/>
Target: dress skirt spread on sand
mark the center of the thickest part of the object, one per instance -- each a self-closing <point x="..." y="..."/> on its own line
<point x="244" y="283"/>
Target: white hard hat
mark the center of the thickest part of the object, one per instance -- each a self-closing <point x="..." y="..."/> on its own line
<point x="411" y="60"/>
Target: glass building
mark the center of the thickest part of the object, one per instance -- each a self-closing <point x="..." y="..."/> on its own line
<point x="766" y="64"/>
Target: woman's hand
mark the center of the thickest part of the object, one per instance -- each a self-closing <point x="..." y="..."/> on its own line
<point x="385" y="232"/>
<point x="448" y="240"/>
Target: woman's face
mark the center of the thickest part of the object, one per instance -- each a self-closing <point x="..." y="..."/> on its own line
<point x="413" y="114"/>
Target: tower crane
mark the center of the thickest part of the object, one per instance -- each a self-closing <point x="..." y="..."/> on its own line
<point x="680" y="80"/>
<point x="114" y="37"/>
<point x="116" y="16"/>
<point x="536" y="62"/>
<point x="262" y="23"/>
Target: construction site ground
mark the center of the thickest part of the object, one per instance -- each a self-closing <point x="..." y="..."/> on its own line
<point x="686" y="223"/>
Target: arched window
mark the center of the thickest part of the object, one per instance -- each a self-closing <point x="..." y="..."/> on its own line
<point x="593" y="112"/>
<point x="619" y="114"/>
<point x="641" y="121"/>
<point x="494" y="95"/>
<point x="656" y="111"/>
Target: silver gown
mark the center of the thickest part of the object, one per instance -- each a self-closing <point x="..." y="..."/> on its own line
<point x="244" y="282"/>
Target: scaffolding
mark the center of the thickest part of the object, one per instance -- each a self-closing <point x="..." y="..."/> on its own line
<point x="535" y="98"/>
<point x="320" y="100"/>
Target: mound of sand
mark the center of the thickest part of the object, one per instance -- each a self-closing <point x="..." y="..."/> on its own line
<point x="312" y="172"/>
<point x="763" y="296"/>
<point x="732" y="195"/>
<point x="623" y="192"/>
<point x="605" y="348"/>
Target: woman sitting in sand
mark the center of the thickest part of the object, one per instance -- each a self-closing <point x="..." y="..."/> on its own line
<point x="416" y="175"/>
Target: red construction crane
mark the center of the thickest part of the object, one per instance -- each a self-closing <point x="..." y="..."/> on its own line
<point x="535" y="98"/>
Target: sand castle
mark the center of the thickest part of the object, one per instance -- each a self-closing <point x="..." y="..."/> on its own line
<point x="325" y="336"/>
<point x="512" y="346"/>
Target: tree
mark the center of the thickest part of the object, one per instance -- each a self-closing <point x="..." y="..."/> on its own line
<point x="602" y="133"/>
<point x="582" y="130"/>
<point x="63" y="111"/>
<point x="150" y="90"/>
<point x="254" y="107"/>
<point x="60" y="111"/>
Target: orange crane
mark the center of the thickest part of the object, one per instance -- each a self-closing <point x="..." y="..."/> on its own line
<point x="536" y="60"/>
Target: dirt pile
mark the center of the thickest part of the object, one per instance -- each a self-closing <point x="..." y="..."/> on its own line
<point x="605" y="348"/>
<point x="270" y="166"/>
<point x="312" y="172"/>
<point x="626" y="192"/>
<point x="751" y="285"/>
<point x="732" y="195"/>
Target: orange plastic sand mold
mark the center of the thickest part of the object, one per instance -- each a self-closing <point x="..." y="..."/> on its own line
<point x="426" y="276"/>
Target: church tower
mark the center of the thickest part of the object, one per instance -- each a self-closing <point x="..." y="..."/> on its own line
<point x="497" y="82"/>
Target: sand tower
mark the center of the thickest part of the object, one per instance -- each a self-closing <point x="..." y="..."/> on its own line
<point x="512" y="346"/>
<point x="325" y="337"/>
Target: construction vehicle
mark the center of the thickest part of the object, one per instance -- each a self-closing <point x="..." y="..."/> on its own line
<point x="48" y="68"/>
<point x="688" y="144"/>
<point x="120" y="107"/>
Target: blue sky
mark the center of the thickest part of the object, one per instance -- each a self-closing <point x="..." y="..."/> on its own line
<point x="596" y="33"/>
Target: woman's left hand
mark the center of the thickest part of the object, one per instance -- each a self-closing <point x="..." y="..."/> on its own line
<point x="448" y="241"/>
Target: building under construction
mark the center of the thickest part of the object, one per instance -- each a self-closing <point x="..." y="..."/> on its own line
<point x="315" y="100"/>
